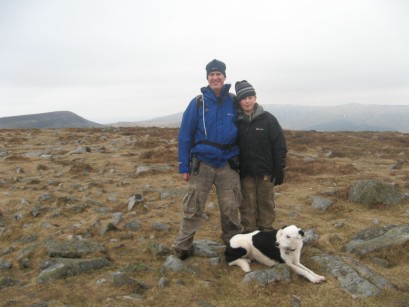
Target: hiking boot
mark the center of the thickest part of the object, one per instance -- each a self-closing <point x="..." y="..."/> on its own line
<point x="183" y="254"/>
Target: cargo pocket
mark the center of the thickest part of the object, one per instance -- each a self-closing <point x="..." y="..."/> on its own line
<point x="190" y="203"/>
<point x="194" y="203"/>
<point x="239" y="197"/>
<point x="231" y="200"/>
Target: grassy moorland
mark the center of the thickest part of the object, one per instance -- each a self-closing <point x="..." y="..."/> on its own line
<point x="77" y="178"/>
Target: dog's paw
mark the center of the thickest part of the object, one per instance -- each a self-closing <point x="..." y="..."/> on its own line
<point x="317" y="280"/>
<point x="322" y="278"/>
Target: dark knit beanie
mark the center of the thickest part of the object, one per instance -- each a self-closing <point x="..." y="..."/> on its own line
<point x="215" y="65"/>
<point x="244" y="89"/>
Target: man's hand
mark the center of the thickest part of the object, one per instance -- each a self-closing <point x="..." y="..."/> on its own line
<point x="186" y="176"/>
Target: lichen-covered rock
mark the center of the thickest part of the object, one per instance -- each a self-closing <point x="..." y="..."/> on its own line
<point x="280" y="272"/>
<point x="375" y="239"/>
<point x="64" y="267"/>
<point x="372" y="192"/>
<point x="348" y="278"/>
<point x="72" y="248"/>
<point x="207" y="248"/>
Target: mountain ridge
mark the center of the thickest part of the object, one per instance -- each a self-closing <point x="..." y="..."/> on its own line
<point x="57" y="119"/>
<point x="346" y="117"/>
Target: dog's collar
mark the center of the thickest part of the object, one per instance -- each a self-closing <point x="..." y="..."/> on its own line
<point x="289" y="250"/>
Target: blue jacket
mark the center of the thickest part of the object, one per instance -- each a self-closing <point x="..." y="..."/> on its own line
<point x="218" y="125"/>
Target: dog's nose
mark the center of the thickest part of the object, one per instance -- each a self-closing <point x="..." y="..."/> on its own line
<point x="277" y="244"/>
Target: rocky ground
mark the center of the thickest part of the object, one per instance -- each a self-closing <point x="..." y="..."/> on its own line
<point x="88" y="216"/>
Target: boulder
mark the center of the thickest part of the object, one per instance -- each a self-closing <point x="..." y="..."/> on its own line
<point x="372" y="192"/>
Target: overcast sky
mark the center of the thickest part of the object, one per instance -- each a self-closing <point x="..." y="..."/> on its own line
<point x="126" y="60"/>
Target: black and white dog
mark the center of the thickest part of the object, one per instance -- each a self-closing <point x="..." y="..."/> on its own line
<point x="270" y="248"/>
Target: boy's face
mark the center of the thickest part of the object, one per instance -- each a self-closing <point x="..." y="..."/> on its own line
<point x="247" y="104"/>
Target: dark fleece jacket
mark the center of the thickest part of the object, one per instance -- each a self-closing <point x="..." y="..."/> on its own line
<point x="262" y="143"/>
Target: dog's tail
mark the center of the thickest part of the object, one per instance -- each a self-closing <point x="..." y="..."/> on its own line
<point x="232" y="254"/>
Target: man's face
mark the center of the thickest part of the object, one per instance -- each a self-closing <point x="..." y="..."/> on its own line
<point x="216" y="81"/>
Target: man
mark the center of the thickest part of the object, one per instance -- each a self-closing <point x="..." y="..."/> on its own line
<point x="263" y="153"/>
<point x="208" y="155"/>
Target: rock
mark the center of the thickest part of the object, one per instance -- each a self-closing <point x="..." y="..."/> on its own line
<point x="63" y="267"/>
<point x="136" y="267"/>
<point x="112" y="199"/>
<point x="8" y="282"/>
<point x="207" y="248"/>
<point x="108" y="227"/>
<point x="29" y="238"/>
<point x="215" y="261"/>
<point x="38" y="210"/>
<point x="398" y="164"/>
<point x="90" y="202"/>
<point x="375" y="239"/>
<point x="101" y="281"/>
<point x="373" y="277"/>
<point x="163" y="282"/>
<point x="152" y="168"/>
<point x="158" y="249"/>
<point x="18" y="216"/>
<point x="295" y="301"/>
<point x="46" y="197"/>
<point x="280" y="272"/>
<point x="321" y="203"/>
<point x="5" y="264"/>
<point x="27" y="252"/>
<point x="309" y="159"/>
<point x="116" y="217"/>
<point x="132" y="225"/>
<point x="43" y="154"/>
<point x="356" y="279"/>
<point x="134" y="199"/>
<point x="310" y="237"/>
<point x="79" y="150"/>
<point x="372" y="192"/>
<point x="123" y="279"/>
<point x="174" y="264"/>
<point x="381" y="262"/>
<point x="340" y="224"/>
<point x="72" y="248"/>
<point x="133" y="297"/>
<point x="174" y="192"/>
<point x="160" y="226"/>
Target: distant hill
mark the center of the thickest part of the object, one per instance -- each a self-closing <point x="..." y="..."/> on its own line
<point x="346" y="125"/>
<point x="169" y="121"/>
<point x="347" y="117"/>
<point x="60" y="119"/>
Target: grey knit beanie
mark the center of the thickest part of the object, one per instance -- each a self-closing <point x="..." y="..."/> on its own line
<point x="244" y="89"/>
<point x="215" y="65"/>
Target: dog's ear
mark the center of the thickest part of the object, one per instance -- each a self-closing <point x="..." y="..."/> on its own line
<point x="279" y="234"/>
<point x="301" y="232"/>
